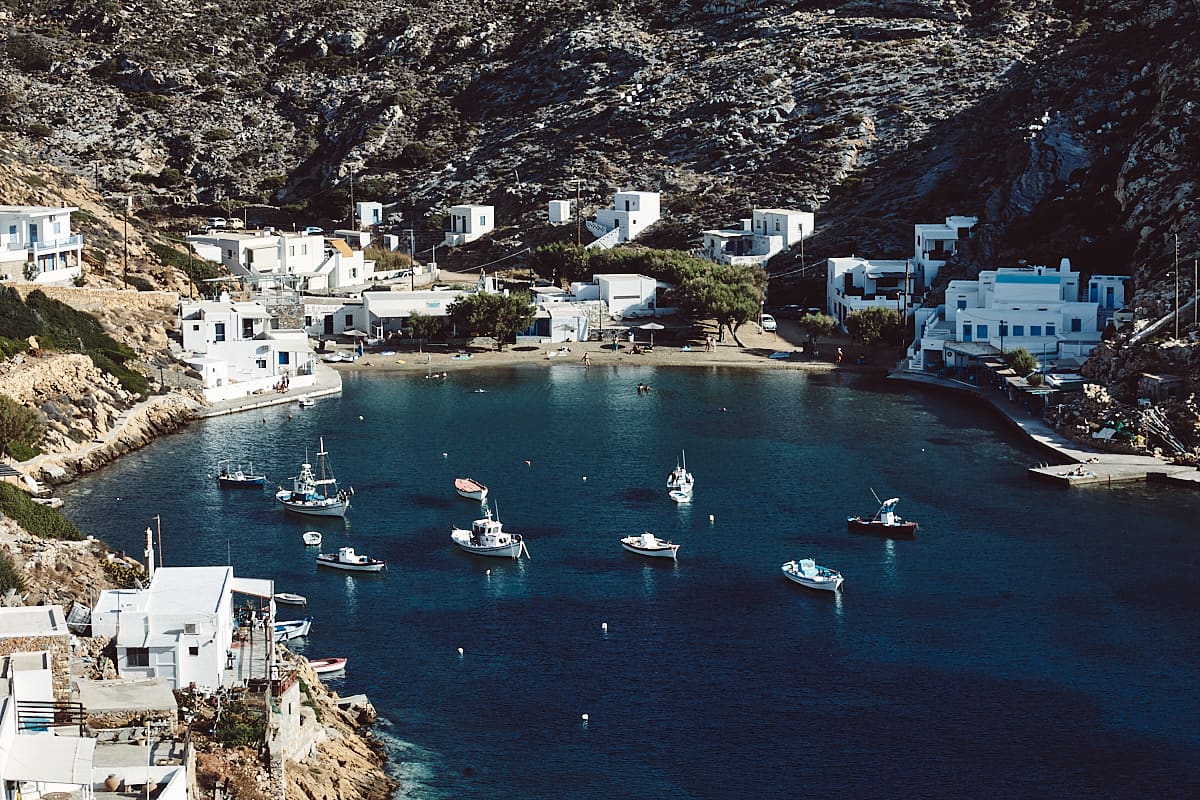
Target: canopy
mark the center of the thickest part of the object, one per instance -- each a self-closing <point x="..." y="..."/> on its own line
<point x="652" y="327"/>
<point x="46" y="758"/>
<point x="354" y="332"/>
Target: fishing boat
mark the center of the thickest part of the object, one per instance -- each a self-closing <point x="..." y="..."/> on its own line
<point x="231" y="477"/>
<point x="311" y="538"/>
<point x="318" y="497"/>
<point x="345" y="558"/>
<point x="292" y="629"/>
<point x="885" y="522"/>
<point x="650" y="545"/>
<point x="679" y="479"/>
<point x="324" y="666"/>
<point x="470" y="489"/>
<point x="290" y="599"/>
<point x="488" y="538"/>
<point x="807" y="572"/>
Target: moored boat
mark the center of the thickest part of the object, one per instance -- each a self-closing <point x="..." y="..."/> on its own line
<point x="885" y="522"/>
<point x="807" y="572"/>
<point x="680" y="496"/>
<point x="679" y="479"/>
<point x="306" y="402"/>
<point x="290" y="599"/>
<point x="292" y="629"/>
<point x="318" y="497"/>
<point x="324" y="666"/>
<point x="470" y="489"/>
<point x="345" y="558"/>
<point x="487" y="537"/>
<point x="311" y="538"/>
<point x="231" y="477"/>
<point x="650" y="545"/>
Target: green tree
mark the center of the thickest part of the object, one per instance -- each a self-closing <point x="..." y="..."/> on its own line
<point x="1022" y="361"/>
<point x="817" y="326"/>
<point x="561" y="261"/>
<point x="497" y="315"/>
<point x="424" y="327"/>
<point x="21" y="429"/>
<point x="869" y="326"/>
<point x="731" y="295"/>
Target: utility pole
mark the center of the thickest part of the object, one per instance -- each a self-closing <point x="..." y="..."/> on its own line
<point x="352" y="201"/>
<point x="1177" y="286"/>
<point x="125" y="238"/>
<point x="578" y="211"/>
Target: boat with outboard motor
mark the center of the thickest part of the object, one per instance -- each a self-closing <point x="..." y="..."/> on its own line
<point x="650" y="545"/>
<point x="807" y="572"/>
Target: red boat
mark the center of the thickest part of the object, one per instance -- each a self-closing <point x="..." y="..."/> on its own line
<point x="884" y="523"/>
<point x="322" y="666"/>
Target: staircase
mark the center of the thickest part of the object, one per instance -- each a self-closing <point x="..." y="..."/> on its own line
<point x="606" y="238"/>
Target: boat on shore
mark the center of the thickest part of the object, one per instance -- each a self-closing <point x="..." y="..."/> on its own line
<point x="487" y="537"/>
<point x="807" y="572"/>
<point x="318" y="497"/>
<point x="324" y="666"/>
<point x="231" y="477"/>
<point x="345" y="558"/>
<point x="650" y="545"/>
<point x="470" y="489"/>
<point x="290" y="599"/>
<point x="885" y="522"/>
<point x="292" y="629"/>
<point x="311" y="538"/>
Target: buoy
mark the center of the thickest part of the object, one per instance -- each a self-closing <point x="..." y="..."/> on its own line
<point x="711" y="519"/>
<point x="360" y="416"/>
<point x="460" y="651"/>
<point x="604" y="627"/>
<point x="585" y="477"/>
<point x="528" y="462"/>
<point x="489" y="572"/>
<point x="445" y="455"/>
<point x="583" y="717"/>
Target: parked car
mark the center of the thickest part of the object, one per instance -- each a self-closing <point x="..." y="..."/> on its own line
<point x="767" y="322"/>
<point x="216" y="222"/>
<point x="313" y="230"/>
<point x="790" y="311"/>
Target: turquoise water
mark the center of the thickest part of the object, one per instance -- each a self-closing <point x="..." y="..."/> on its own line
<point x="1030" y="641"/>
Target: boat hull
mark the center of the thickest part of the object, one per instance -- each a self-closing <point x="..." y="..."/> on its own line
<point x="832" y="583"/>
<point x="250" y="481"/>
<point x="313" y="508"/>
<point x="374" y="566"/>
<point x="479" y="492"/>
<point x="324" y="666"/>
<point x="863" y="525"/>
<point x="289" y="599"/>
<point x="293" y="629"/>
<point x="668" y="551"/>
<point x="680" y="496"/>
<point x="509" y="549"/>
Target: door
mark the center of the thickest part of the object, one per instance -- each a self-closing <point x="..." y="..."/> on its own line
<point x="33" y="233"/>
<point x="329" y="325"/>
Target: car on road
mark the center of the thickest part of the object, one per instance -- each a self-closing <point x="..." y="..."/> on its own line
<point x="216" y="222"/>
<point x="767" y="322"/>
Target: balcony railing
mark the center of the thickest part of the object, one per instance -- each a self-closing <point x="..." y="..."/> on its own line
<point x="62" y="243"/>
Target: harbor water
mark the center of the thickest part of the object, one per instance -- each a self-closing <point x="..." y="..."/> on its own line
<point x="1029" y="641"/>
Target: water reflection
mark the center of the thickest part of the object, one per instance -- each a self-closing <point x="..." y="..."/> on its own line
<point x="889" y="560"/>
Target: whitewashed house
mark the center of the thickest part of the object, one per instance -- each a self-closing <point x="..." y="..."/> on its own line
<point x="623" y="295"/>
<point x="854" y="283"/>
<point x="238" y="351"/>
<point x="560" y="212"/>
<point x="181" y="627"/>
<point x="468" y="223"/>
<point x="37" y="245"/>
<point x="367" y="214"/>
<point x="388" y="312"/>
<point x="333" y="316"/>
<point x="1108" y="293"/>
<point x="270" y="259"/>
<point x="1036" y="308"/>
<point x="765" y="234"/>
<point x="934" y="243"/>
<point x="632" y="213"/>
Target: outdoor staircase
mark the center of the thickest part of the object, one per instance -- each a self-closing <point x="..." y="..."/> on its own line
<point x="606" y="238"/>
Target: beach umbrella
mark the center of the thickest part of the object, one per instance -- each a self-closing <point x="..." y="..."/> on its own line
<point x="652" y="327"/>
<point x="354" y="332"/>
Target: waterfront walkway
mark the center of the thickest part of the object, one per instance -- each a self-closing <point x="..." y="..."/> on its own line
<point x="328" y="382"/>
<point x="1078" y="465"/>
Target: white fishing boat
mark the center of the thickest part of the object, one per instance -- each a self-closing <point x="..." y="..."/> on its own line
<point x="650" y="545"/>
<point x="345" y="558"/>
<point x="234" y="477"/>
<point x="290" y="599"/>
<point x="316" y="496"/>
<point x="807" y="572"/>
<point x="680" y="481"/>
<point x="488" y="538"/>
<point x="324" y="666"/>
<point x="470" y="489"/>
<point x="311" y="538"/>
<point x="292" y="629"/>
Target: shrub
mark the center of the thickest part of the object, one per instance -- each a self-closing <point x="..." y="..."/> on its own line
<point x="240" y="726"/>
<point x="10" y="576"/>
<point x="19" y="426"/>
<point x="123" y="574"/>
<point x="37" y="519"/>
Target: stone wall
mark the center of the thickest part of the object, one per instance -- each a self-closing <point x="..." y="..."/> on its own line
<point x="59" y="648"/>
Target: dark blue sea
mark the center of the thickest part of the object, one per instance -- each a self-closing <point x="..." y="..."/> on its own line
<point x="1029" y="642"/>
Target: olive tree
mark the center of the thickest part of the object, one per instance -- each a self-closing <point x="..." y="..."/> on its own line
<point x="501" y="316"/>
<point x="874" y="324"/>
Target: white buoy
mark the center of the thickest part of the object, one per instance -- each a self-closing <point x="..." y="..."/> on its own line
<point x="585" y="477"/>
<point x="711" y="519"/>
<point x="460" y="651"/>
<point x="360" y="416"/>
<point x="604" y="627"/>
<point x="583" y="717"/>
<point x="489" y="572"/>
<point x="445" y="455"/>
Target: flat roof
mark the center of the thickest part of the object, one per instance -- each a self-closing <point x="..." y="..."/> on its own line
<point x="146" y="694"/>
<point x="36" y="211"/>
<point x="188" y="590"/>
<point x="32" y="621"/>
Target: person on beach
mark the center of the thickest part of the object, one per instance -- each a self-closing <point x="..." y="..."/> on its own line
<point x="838" y="358"/>
<point x="587" y="361"/>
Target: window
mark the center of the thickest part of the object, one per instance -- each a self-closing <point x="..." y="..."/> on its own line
<point x="1049" y="330"/>
<point x="195" y="327"/>
<point x="354" y="272"/>
<point x="247" y="329"/>
<point x="12" y="230"/>
<point x="777" y="226"/>
<point x="981" y="332"/>
<point x="285" y="358"/>
<point x="350" y="319"/>
<point x="194" y="650"/>
<point x="1035" y="330"/>
<point x="57" y="228"/>
<point x="137" y="656"/>
<point x="1076" y="325"/>
<point x="249" y="256"/>
<point x="219" y="332"/>
<point x="962" y="303"/>
<point x="260" y="363"/>
<point x="307" y="320"/>
<point x="1018" y="330"/>
<point x="966" y="337"/>
<point x="229" y="253"/>
<point x="482" y="220"/>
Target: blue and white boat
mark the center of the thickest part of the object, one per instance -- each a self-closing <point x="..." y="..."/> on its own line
<point x="292" y="629"/>
<point x="807" y="572"/>
<point x="317" y="497"/>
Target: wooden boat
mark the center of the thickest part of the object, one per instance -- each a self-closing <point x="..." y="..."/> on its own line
<point x="807" y="572"/>
<point x="231" y="477"/>
<point x="318" y="497"/>
<point x="487" y="537"/>
<point x="290" y="599"/>
<point x="470" y="489"/>
<point x="345" y="558"/>
<point x="885" y="522"/>
<point x="650" y="545"/>
<point x="324" y="666"/>
<point x="292" y="629"/>
<point x="311" y="538"/>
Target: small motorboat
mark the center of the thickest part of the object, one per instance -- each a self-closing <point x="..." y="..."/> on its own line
<point x="885" y="522"/>
<point x="680" y="495"/>
<point x="306" y="402"/>
<point x="470" y="489"/>
<point x="290" y="599"/>
<point x="650" y="545"/>
<point x="807" y="572"/>
<point x="292" y="629"/>
<point x="311" y="538"/>
<point x="345" y="558"/>
<point x="324" y="666"/>
<point x="231" y="477"/>
<point x="488" y="538"/>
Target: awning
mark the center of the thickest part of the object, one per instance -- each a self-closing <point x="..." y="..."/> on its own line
<point x="254" y="315"/>
<point x="255" y="587"/>
<point x="341" y="246"/>
<point x="46" y="758"/>
<point x="971" y="349"/>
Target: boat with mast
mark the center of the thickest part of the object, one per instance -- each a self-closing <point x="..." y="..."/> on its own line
<point x="886" y="521"/>
<point x="680" y="482"/>
<point x="316" y="496"/>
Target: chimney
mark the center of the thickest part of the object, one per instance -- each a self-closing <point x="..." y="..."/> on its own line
<point x="149" y="554"/>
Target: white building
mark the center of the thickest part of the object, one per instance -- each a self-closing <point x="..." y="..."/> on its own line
<point x="1035" y="308"/>
<point x="623" y="295"/>
<point x="560" y="212"/>
<point x="269" y="259"/>
<point x="765" y="234"/>
<point x="333" y="316"/>
<point x="237" y="350"/>
<point x="790" y="224"/>
<point x="179" y="629"/>
<point x="632" y="213"/>
<point x="468" y="223"/>
<point x="854" y="283"/>
<point x="36" y="244"/>
<point x="368" y="214"/>
<point x="934" y="243"/>
<point x="388" y="312"/>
